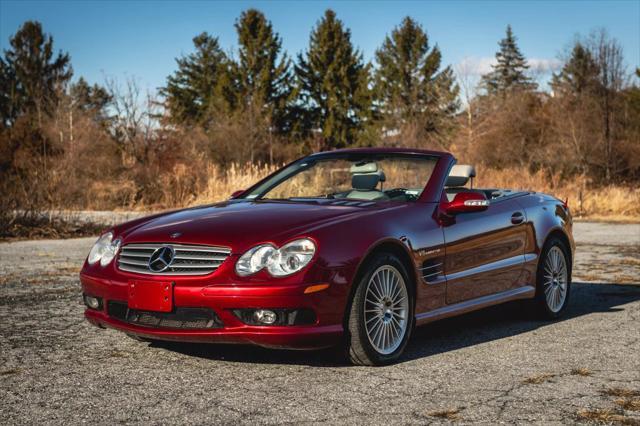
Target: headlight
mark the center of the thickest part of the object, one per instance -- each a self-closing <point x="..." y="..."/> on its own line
<point x="104" y="250"/>
<point x="254" y="260"/>
<point x="290" y="258"/>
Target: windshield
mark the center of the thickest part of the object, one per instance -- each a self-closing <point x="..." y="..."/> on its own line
<point x="372" y="178"/>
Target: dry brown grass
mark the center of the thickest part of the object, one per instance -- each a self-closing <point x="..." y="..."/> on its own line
<point x="607" y="416"/>
<point x="222" y="183"/>
<point x="206" y="182"/>
<point x="591" y="277"/>
<point x="447" y="414"/>
<point x="585" y="372"/>
<point x="41" y="226"/>
<point x="621" y="392"/>
<point x="538" y="379"/>
<point x="607" y="203"/>
<point x="625" y="279"/>
<point x="631" y="404"/>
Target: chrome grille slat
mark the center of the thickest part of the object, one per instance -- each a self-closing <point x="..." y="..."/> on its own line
<point x="188" y="259"/>
<point x="134" y="262"/>
<point x="183" y="257"/>
<point x="128" y="254"/>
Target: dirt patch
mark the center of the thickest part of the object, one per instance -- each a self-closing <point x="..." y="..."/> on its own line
<point x="37" y="226"/>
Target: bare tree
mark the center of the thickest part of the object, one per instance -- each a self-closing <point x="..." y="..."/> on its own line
<point x="135" y="118"/>
<point x="609" y="57"/>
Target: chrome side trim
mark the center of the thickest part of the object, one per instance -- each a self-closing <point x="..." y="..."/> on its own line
<point x="435" y="265"/>
<point x="524" y="292"/>
<point x="499" y="264"/>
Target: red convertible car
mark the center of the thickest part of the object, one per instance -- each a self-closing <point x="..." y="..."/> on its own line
<point x="352" y="247"/>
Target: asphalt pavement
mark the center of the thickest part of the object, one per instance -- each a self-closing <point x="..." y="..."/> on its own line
<point x="492" y="366"/>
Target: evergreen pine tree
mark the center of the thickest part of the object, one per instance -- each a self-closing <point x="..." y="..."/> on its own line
<point x="263" y="74"/>
<point x="31" y="76"/>
<point x="91" y="99"/>
<point x="201" y="86"/>
<point x="578" y="75"/>
<point x="332" y="83"/>
<point x="410" y="84"/>
<point x="510" y="71"/>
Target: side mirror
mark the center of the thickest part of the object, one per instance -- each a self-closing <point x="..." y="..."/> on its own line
<point x="236" y="193"/>
<point x="467" y="202"/>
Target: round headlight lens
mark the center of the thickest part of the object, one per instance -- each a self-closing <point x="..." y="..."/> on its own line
<point x="104" y="250"/>
<point x="110" y="252"/>
<point x="99" y="248"/>
<point x="254" y="260"/>
<point x="292" y="257"/>
<point x="286" y="260"/>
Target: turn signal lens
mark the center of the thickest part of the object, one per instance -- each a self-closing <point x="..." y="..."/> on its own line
<point x="315" y="288"/>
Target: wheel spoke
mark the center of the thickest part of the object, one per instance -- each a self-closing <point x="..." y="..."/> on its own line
<point x="398" y="301"/>
<point x="386" y="307"/>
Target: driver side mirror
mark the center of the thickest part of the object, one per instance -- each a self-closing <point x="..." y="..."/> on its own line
<point x="236" y="193"/>
<point x="467" y="202"/>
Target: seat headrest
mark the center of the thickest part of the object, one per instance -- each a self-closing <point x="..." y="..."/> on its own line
<point x="460" y="175"/>
<point x="367" y="181"/>
<point x="362" y="167"/>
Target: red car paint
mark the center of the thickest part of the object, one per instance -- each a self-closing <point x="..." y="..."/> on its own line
<point x="486" y="258"/>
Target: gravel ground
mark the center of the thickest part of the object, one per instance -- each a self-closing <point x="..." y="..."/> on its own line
<point x="492" y="366"/>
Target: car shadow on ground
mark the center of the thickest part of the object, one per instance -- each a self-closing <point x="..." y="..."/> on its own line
<point x="482" y="326"/>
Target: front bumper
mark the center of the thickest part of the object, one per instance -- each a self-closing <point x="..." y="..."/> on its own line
<point x="223" y="299"/>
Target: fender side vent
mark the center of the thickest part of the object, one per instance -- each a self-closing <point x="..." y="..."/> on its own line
<point x="431" y="270"/>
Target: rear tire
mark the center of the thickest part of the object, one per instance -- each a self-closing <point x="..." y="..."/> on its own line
<point x="553" y="280"/>
<point x="381" y="315"/>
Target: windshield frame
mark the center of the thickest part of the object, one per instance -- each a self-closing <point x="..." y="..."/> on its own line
<point x="442" y="160"/>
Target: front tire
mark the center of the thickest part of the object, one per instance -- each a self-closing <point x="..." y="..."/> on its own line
<point x="381" y="314"/>
<point x="553" y="280"/>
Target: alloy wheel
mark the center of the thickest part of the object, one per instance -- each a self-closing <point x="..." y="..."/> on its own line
<point x="555" y="279"/>
<point x="386" y="309"/>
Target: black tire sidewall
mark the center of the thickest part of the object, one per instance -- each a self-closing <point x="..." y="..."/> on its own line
<point x="357" y="308"/>
<point x="540" y="296"/>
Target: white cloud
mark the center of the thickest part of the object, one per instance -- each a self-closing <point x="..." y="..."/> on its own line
<point x="476" y="66"/>
<point x="544" y="65"/>
<point x="473" y="65"/>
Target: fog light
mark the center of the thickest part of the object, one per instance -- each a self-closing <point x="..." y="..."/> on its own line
<point x="93" y="302"/>
<point x="265" y="316"/>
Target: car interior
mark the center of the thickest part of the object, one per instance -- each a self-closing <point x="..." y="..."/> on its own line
<point x="463" y="174"/>
<point x="367" y="182"/>
<point x="365" y="178"/>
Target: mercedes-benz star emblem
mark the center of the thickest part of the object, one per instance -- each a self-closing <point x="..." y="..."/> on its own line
<point x="161" y="259"/>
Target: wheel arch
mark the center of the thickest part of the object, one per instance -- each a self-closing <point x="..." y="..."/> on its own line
<point x="391" y="246"/>
<point x="562" y="236"/>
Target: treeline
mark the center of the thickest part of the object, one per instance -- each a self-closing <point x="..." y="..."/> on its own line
<point x="67" y="143"/>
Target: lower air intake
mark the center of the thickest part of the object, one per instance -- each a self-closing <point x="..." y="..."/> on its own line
<point x="180" y="318"/>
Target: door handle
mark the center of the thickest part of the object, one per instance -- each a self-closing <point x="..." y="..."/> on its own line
<point x="517" y="218"/>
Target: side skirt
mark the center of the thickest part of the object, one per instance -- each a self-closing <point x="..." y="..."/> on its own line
<point x="525" y="292"/>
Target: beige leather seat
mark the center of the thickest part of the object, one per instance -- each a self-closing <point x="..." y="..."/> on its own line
<point x="459" y="176"/>
<point x="365" y="178"/>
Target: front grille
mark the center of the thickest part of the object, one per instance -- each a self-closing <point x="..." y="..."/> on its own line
<point x="182" y="318"/>
<point x="188" y="260"/>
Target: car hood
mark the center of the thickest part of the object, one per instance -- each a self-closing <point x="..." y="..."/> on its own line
<point x="242" y="224"/>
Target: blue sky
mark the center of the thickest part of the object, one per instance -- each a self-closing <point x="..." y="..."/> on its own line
<point x="142" y="38"/>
